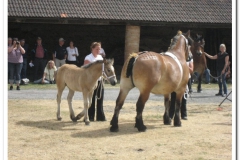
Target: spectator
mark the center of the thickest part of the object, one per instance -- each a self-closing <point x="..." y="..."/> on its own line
<point x="92" y="57"/>
<point x="222" y="63"/>
<point x="49" y="74"/>
<point x="72" y="53"/>
<point x="15" y="60"/>
<point x="60" y="53"/>
<point x="9" y="45"/>
<point x="39" y="58"/>
<point x="10" y="42"/>
<point x="25" y="56"/>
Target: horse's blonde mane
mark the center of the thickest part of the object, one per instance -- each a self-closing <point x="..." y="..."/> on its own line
<point x="90" y="64"/>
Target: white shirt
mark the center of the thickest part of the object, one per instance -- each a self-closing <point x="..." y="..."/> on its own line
<point x="50" y="73"/>
<point x="70" y="52"/>
<point x="92" y="59"/>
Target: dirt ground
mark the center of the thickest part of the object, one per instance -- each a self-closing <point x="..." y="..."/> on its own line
<point x="34" y="133"/>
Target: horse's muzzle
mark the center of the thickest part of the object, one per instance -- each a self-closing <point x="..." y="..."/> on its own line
<point x="113" y="81"/>
<point x="199" y="53"/>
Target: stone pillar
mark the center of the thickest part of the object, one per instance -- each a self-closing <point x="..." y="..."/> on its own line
<point x="132" y="39"/>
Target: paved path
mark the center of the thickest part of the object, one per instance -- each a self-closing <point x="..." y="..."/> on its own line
<point x="207" y="96"/>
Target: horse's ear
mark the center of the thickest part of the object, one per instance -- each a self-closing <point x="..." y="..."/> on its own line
<point x="203" y="42"/>
<point x="112" y="60"/>
<point x="188" y="33"/>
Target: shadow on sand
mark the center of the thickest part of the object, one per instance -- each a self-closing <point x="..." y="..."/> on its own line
<point x="124" y="127"/>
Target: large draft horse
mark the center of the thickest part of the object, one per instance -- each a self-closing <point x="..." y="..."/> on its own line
<point x="199" y="59"/>
<point x="156" y="73"/>
<point x="83" y="80"/>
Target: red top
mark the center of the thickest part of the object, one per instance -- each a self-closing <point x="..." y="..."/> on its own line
<point x="39" y="52"/>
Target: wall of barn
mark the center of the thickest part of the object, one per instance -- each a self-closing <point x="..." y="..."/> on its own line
<point x="152" y="38"/>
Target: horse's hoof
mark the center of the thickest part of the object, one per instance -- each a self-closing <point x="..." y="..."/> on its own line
<point x="166" y="120"/>
<point x="114" y="129"/>
<point x="199" y="91"/>
<point x="59" y="118"/>
<point x="179" y="124"/>
<point x="142" y="128"/>
<point x="87" y="123"/>
<point x="74" y="119"/>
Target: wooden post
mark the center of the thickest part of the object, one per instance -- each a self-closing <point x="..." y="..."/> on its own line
<point x="132" y="39"/>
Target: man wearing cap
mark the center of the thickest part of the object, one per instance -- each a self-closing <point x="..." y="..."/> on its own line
<point x="39" y="58"/>
<point x="25" y="56"/>
<point x="60" y="53"/>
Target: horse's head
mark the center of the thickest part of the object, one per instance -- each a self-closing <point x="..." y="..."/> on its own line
<point x="199" y="45"/>
<point x="182" y="40"/>
<point x="109" y="72"/>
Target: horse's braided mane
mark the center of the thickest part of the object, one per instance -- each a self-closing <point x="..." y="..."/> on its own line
<point x="90" y="64"/>
<point x="175" y="39"/>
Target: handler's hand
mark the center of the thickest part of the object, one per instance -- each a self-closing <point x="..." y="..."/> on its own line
<point x="223" y="71"/>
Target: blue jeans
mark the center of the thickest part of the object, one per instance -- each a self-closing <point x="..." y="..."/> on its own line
<point x="15" y="70"/>
<point x="207" y="75"/>
<point x="40" y="81"/>
<point x="222" y="82"/>
<point x="24" y="69"/>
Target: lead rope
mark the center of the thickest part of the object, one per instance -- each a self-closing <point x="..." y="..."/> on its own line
<point x="210" y="75"/>
<point x="101" y="84"/>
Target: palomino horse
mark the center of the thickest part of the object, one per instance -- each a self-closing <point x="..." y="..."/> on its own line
<point x="156" y="73"/>
<point x="199" y="59"/>
<point x="83" y="80"/>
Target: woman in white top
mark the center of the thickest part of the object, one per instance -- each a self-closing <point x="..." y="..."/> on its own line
<point x="49" y="74"/>
<point x="72" y="53"/>
<point x="92" y="57"/>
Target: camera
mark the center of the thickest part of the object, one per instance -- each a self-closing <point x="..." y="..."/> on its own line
<point x="17" y="42"/>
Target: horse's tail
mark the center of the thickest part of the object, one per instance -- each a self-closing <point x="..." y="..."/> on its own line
<point x="129" y="63"/>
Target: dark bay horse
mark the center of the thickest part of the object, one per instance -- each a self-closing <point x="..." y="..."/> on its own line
<point x="199" y="58"/>
<point x="83" y="80"/>
<point x="156" y="73"/>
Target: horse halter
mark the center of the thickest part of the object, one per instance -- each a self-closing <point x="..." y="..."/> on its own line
<point x="105" y="75"/>
<point x="186" y="42"/>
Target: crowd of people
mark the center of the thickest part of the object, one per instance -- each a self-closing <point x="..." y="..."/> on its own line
<point x="19" y="53"/>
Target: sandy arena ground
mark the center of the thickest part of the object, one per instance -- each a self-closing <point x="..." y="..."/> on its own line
<point x="34" y="132"/>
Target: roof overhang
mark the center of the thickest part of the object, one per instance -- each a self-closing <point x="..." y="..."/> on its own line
<point x="115" y="22"/>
